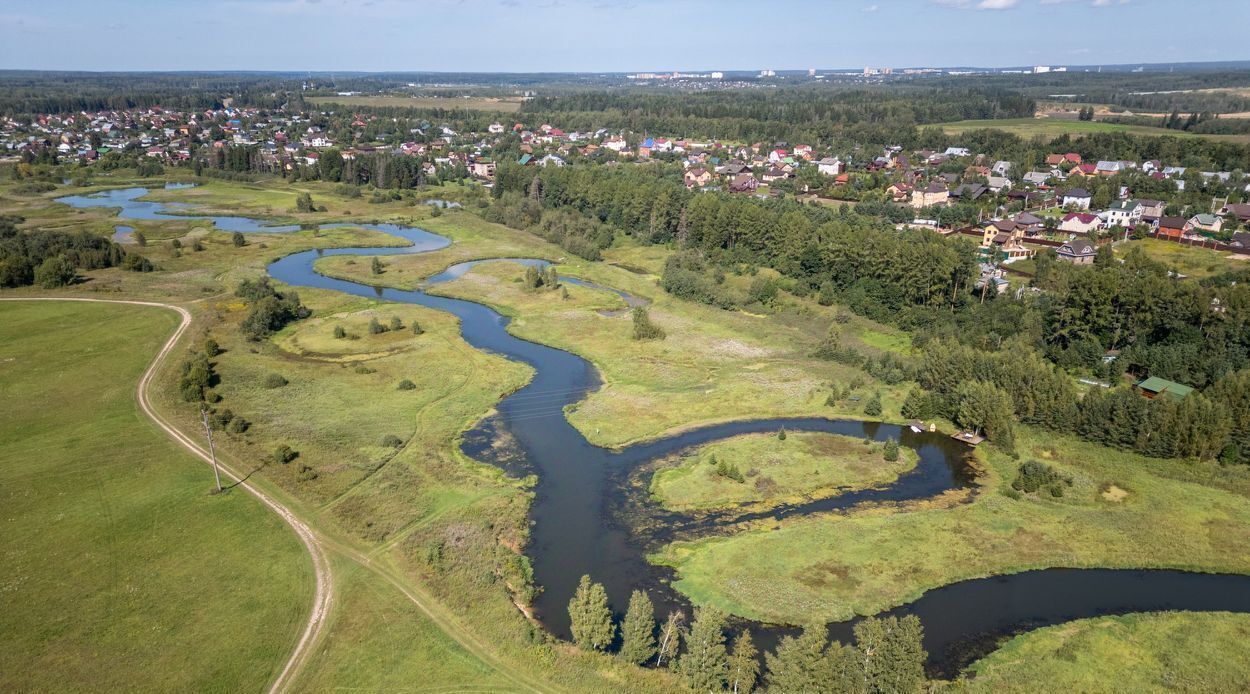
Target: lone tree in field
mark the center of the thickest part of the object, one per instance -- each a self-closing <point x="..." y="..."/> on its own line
<point x="238" y="239"/>
<point x="670" y="633"/>
<point x="638" y="629"/>
<point x="376" y="265"/>
<point x="705" y="664"/>
<point x="304" y="203"/>
<point x="744" y="665"/>
<point x="591" y="617"/>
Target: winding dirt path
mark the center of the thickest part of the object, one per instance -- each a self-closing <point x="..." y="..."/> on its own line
<point x="324" y="594"/>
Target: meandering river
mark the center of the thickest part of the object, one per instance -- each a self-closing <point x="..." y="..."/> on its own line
<point x="577" y="527"/>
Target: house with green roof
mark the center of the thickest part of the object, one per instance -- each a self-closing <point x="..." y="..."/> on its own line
<point x="1154" y="386"/>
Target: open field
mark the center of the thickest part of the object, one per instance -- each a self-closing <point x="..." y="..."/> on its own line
<point x="1050" y="128"/>
<point x="1175" y="651"/>
<point x="714" y="365"/>
<point x="1175" y="515"/>
<point x="121" y="571"/>
<point x="1191" y="261"/>
<point x="475" y="103"/>
<point x="805" y="465"/>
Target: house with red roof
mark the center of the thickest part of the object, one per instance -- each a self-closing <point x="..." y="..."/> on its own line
<point x="1079" y="223"/>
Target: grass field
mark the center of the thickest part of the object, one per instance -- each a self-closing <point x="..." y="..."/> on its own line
<point x="121" y="571"/>
<point x="713" y="366"/>
<point x="1051" y="128"/>
<point x="1174" y="514"/>
<point x="1187" y="260"/>
<point x="1191" y="652"/>
<point x="805" y="465"/>
<point x="475" y="103"/>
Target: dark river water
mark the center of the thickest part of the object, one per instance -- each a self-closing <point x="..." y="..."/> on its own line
<point x="582" y="497"/>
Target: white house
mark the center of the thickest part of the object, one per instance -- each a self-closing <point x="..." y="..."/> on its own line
<point x="957" y="152"/>
<point x="1125" y="214"/>
<point x="1078" y="198"/>
<point x="830" y="166"/>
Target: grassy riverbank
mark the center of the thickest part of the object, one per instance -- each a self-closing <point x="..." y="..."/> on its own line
<point x="713" y="366"/>
<point x="121" y="571"/>
<point x="1122" y="510"/>
<point x="804" y="465"/>
<point x="1177" y="651"/>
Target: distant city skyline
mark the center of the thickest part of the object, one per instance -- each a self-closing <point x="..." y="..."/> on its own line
<point x="612" y="35"/>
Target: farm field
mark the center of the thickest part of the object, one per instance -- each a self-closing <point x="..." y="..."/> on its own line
<point x="1051" y="128"/>
<point x="502" y="105"/>
<point x="121" y="570"/>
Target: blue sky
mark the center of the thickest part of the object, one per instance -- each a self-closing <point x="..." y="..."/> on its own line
<point x="611" y="35"/>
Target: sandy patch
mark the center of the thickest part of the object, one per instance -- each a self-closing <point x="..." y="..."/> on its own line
<point x="1114" y="494"/>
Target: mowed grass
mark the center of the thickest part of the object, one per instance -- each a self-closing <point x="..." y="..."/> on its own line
<point x="1051" y="128"/>
<point x="1155" y="652"/>
<point x="713" y="366"/>
<point x="805" y="465"/>
<point x="474" y="103"/>
<point x="121" y="572"/>
<point x="1162" y="514"/>
<point x="1191" y="261"/>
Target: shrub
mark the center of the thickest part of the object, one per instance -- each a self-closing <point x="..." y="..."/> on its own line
<point x="1034" y="475"/>
<point x="376" y="265"/>
<point x="781" y="434"/>
<point x="275" y="381"/>
<point x="392" y="441"/>
<point x="407" y="385"/>
<point x="362" y="369"/>
<point x="283" y="454"/>
<point x="376" y="327"/>
<point x="56" y="271"/>
<point x="729" y="471"/>
<point x="139" y="238"/>
<point x="396" y="323"/>
<point x="238" y="425"/>
<point x="339" y="332"/>
<point x="416" y="329"/>
<point x="890" y="452"/>
<point x="197" y="246"/>
<point x="238" y="239"/>
<point x="211" y="348"/>
<point x="175" y="244"/>
<point x="306" y="473"/>
<point x="644" y="329"/>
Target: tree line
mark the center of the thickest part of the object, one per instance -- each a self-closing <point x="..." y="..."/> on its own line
<point x="887" y="655"/>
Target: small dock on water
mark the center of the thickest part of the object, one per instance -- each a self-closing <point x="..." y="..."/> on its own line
<point x="969" y="437"/>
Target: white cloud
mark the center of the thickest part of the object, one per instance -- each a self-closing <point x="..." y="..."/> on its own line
<point x="871" y="8"/>
<point x="979" y="5"/>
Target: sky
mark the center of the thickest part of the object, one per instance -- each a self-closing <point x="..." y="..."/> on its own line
<point x="611" y="35"/>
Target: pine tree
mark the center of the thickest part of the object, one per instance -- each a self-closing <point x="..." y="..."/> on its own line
<point x="872" y="408"/>
<point x="798" y="664"/>
<point x="638" y="629"/>
<point x="670" y="634"/>
<point x="591" y="617"/>
<point x="744" y="666"/>
<point x="890" y="451"/>
<point x="705" y="663"/>
<point x="916" y="405"/>
<point x="892" y="653"/>
<point x="377" y="265"/>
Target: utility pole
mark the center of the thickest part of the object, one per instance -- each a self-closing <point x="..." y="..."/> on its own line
<point x="212" y="452"/>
